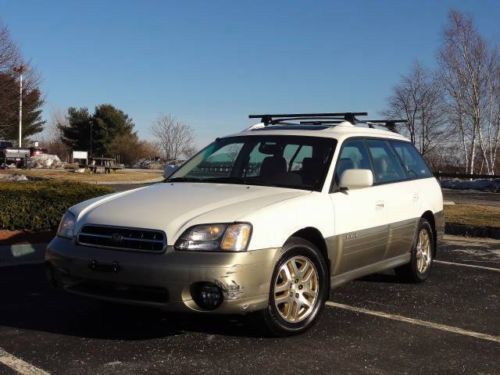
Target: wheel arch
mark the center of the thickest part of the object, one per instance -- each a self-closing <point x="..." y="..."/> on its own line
<point x="429" y="216"/>
<point x="314" y="236"/>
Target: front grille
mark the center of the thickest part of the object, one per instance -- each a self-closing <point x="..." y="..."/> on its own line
<point x="133" y="239"/>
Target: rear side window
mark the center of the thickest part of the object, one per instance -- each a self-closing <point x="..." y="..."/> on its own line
<point x="412" y="160"/>
<point x="354" y="155"/>
<point x="386" y="166"/>
<point x="295" y="155"/>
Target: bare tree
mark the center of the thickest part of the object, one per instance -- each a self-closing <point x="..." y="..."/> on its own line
<point x="418" y="99"/>
<point x="10" y="57"/>
<point x="9" y="53"/>
<point x="469" y="72"/>
<point x="129" y="149"/>
<point x="174" y="137"/>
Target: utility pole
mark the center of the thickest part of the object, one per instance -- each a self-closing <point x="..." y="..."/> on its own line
<point x="20" y="70"/>
<point x="90" y="137"/>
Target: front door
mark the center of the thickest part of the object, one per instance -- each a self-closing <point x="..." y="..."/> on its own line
<point x="361" y="233"/>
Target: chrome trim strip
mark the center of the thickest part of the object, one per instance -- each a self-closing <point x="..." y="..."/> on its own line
<point x="138" y="240"/>
<point x="125" y="238"/>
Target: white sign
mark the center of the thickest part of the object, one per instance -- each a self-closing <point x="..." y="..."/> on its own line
<point x="80" y="154"/>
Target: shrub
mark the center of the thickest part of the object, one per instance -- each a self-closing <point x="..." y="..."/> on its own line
<point x="39" y="205"/>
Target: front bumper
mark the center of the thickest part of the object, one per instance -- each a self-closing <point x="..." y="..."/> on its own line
<point x="162" y="280"/>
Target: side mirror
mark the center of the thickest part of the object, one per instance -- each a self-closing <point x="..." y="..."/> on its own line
<point x="356" y="179"/>
<point x="169" y="170"/>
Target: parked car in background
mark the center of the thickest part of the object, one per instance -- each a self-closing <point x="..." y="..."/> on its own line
<point x="265" y="221"/>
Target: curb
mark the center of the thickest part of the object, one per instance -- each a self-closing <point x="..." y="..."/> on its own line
<point x="158" y="179"/>
<point x="472" y="231"/>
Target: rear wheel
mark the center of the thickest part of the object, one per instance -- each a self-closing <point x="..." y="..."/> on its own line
<point x="299" y="288"/>
<point x="419" y="268"/>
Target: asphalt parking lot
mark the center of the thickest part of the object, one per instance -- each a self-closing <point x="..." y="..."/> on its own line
<point x="450" y="324"/>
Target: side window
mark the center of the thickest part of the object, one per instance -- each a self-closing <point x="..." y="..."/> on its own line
<point x="352" y="156"/>
<point x="386" y="166"/>
<point x="305" y="152"/>
<point x="293" y="154"/>
<point x="412" y="160"/>
<point x="290" y="151"/>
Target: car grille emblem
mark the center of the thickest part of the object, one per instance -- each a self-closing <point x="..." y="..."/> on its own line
<point x="116" y="237"/>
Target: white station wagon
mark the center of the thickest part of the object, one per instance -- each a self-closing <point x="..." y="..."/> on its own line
<point x="266" y="221"/>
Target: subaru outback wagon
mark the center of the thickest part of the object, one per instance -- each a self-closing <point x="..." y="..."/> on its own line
<point x="266" y="221"/>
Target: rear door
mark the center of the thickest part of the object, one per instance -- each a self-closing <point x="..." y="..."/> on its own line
<point x="395" y="197"/>
<point x="421" y="185"/>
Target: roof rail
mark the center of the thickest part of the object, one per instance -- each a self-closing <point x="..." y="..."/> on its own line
<point x="271" y="119"/>
<point x="370" y="123"/>
<point x="389" y="124"/>
<point x="321" y="122"/>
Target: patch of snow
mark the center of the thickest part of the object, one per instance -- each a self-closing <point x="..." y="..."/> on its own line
<point x="492" y="184"/>
<point x="45" y="161"/>
<point x="17" y="178"/>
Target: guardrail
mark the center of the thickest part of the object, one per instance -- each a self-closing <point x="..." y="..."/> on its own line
<point x="465" y="175"/>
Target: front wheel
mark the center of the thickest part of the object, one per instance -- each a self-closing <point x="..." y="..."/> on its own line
<point x="419" y="268"/>
<point x="299" y="289"/>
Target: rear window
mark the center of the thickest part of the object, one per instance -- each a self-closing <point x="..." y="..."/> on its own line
<point x="411" y="159"/>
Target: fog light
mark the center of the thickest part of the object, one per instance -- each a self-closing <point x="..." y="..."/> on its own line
<point x="207" y="295"/>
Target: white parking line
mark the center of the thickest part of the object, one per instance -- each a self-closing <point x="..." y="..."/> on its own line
<point x="22" y="367"/>
<point x="467" y="265"/>
<point x="423" y="323"/>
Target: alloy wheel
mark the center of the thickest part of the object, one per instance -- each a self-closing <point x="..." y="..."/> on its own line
<point x="296" y="289"/>
<point x="424" y="251"/>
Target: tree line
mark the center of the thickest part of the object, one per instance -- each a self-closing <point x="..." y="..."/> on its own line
<point x="453" y="111"/>
<point x="111" y="132"/>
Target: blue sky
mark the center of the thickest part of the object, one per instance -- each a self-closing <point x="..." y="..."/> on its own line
<point x="211" y="63"/>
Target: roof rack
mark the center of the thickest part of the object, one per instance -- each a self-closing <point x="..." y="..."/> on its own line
<point x="326" y="119"/>
<point x="272" y="119"/>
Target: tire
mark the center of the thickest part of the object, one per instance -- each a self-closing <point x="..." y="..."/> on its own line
<point x="419" y="268"/>
<point x="293" y="315"/>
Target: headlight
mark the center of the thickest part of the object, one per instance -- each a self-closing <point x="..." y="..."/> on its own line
<point x="66" y="226"/>
<point x="216" y="237"/>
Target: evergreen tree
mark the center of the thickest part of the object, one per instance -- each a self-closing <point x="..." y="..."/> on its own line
<point x="9" y="109"/>
<point x="95" y="133"/>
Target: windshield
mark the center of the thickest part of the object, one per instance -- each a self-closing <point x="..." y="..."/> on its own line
<point x="283" y="161"/>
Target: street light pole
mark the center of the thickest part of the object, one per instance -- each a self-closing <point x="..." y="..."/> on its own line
<point x="20" y="70"/>
<point x="90" y="136"/>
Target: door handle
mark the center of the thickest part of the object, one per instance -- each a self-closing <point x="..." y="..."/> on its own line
<point x="380" y="204"/>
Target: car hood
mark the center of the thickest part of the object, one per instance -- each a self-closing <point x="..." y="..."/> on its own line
<point x="173" y="207"/>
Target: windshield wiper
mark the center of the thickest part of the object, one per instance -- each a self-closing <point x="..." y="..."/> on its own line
<point x="230" y="180"/>
<point x="184" y="179"/>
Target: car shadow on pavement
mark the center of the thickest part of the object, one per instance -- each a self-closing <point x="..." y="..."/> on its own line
<point x="29" y="302"/>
